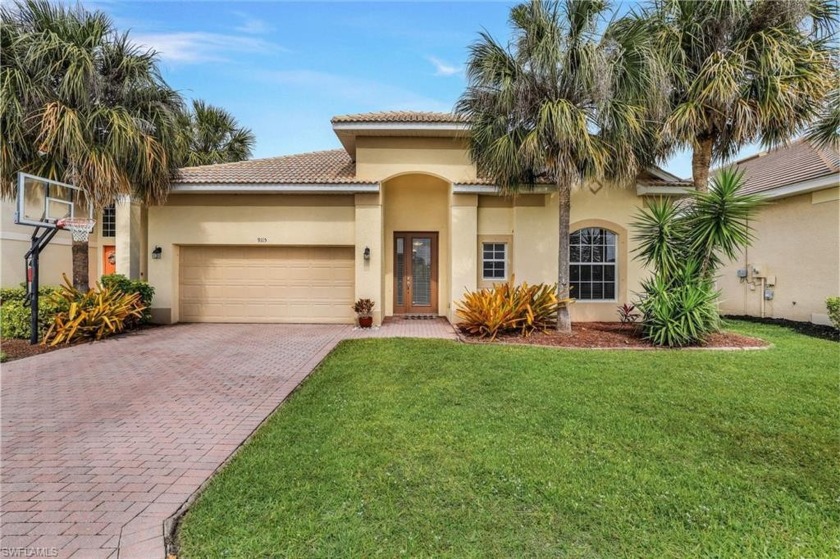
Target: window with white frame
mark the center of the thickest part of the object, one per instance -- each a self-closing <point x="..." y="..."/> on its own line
<point x="109" y="221"/>
<point x="494" y="261"/>
<point x="592" y="264"/>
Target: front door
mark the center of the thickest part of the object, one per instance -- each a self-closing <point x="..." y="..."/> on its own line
<point x="109" y="260"/>
<point x="415" y="273"/>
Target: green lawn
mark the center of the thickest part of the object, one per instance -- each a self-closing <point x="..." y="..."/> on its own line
<point x="432" y="448"/>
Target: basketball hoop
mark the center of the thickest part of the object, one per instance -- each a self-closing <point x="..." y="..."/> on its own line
<point x="80" y="227"/>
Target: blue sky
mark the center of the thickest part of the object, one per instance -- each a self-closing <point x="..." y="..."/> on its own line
<point x="284" y="68"/>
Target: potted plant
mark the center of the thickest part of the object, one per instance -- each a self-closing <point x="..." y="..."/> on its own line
<point x="363" y="309"/>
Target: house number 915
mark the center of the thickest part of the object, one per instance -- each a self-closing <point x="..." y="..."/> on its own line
<point x="262" y="239"/>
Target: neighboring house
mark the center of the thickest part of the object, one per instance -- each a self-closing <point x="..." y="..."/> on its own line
<point x="398" y="215"/>
<point x="794" y="263"/>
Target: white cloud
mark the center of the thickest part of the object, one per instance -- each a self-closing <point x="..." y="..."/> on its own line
<point x="198" y="46"/>
<point x="443" y="68"/>
<point x="360" y="92"/>
<point x="251" y="25"/>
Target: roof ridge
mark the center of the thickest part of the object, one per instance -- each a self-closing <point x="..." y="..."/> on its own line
<point x="399" y="116"/>
<point x="823" y="157"/>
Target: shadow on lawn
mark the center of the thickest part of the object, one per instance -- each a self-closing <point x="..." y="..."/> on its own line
<point x="807" y="328"/>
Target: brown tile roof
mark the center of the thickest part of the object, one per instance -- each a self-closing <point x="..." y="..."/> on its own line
<point x="399" y="117"/>
<point x="317" y="167"/>
<point x="797" y="162"/>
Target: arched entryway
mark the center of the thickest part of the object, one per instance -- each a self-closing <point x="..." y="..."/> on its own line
<point x="416" y="231"/>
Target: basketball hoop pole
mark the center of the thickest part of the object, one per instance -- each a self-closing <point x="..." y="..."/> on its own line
<point x="40" y="240"/>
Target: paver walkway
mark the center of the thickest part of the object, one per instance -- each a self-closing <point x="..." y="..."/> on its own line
<point x="102" y="443"/>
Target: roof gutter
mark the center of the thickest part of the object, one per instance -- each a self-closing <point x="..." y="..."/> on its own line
<point x="642" y="190"/>
<point x="803" y="187"/>
<point x="322" y="188"/>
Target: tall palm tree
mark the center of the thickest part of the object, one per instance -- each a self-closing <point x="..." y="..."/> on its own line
<point x="742" y="71"/>
<point x="212" y="135"/>
<point x="82" y="104"/>
<point x="560" y="105"/>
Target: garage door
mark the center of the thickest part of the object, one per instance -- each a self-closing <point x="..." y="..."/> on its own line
<point x="266" y="284"/>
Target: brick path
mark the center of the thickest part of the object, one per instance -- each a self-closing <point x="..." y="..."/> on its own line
<point x="102" y="443"/>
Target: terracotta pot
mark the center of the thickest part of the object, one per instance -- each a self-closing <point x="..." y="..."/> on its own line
<point x="365" y="321"/>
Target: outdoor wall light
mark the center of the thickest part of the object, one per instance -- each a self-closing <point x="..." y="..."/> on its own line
<point x="367" y="253"/>
<point x="156" y="254"/>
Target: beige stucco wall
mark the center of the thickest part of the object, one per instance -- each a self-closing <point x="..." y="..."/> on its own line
<point x="532" y="221"/>
<point x="378" y="159"/>
<point x="56" y="259"/>
<point x="244" y="220"/>
<point x="797" y="243"/>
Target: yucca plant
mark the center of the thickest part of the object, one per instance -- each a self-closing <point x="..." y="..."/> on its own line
<point x="507" y="307"/>
<point x="685" y="243"/>
<point x="92" y="314"/>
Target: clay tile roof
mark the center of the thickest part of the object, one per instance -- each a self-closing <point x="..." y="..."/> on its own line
<point x="797" y="162"/>
<point x="660" y="182"/>
<point x="317" y="167"/>
<point x="400" y="117"/>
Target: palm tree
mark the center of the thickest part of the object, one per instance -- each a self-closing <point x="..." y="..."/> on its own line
<point x="825" y="131"/>
<point x="743" y="71"/>
<point x="558" y="106"/>
<point x="82" y="104"/>
<point x="212" y="135"/>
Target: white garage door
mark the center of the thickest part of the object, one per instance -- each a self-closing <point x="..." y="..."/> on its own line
<point x="266" y="284"/>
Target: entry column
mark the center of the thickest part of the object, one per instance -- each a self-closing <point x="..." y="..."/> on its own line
<point x="370" y="252"/>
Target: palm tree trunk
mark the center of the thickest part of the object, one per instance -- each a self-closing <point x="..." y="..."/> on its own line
<point x="564" y="194"/>
<point x="80" y="265"/>
<point x="701" y="161"/>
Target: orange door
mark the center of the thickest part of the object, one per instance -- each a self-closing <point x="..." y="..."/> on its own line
<point x="109" y="260"/>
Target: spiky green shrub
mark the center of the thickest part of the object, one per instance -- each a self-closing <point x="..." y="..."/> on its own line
<point x="685" y="243"/>
<point x="506" y="307"/>
<point x="833" y="306"/>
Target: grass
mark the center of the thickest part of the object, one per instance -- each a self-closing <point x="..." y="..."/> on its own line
<point x="432" y="448"/>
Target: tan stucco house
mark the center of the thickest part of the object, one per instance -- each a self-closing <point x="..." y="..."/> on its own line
<point x="794" y="263"/>
<point x="398" y="215"/>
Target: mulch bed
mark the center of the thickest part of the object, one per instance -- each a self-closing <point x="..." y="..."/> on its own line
<point x="612" y="335"/>
<point x="18" y="349"/>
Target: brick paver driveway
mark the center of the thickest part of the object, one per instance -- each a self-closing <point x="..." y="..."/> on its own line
<point x="102" y="443"/>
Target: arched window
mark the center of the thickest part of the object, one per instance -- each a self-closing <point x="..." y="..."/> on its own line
<point x="592" y="264"/>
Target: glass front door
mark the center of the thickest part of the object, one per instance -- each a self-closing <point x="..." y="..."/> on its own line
<point x="415" y="273"/>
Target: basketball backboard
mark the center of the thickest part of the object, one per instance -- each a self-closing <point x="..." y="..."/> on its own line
<point x="42" y="202"/>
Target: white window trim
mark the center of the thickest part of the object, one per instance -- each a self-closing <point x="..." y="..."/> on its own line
<point x="615" y="265"/>
<point x="505" y="261"/>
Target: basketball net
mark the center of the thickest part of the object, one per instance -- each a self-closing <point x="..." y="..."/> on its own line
<point x="80" y="227"/>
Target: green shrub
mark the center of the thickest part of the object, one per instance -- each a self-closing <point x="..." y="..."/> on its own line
<point x="833" y="306"/>
<point x="15" y="316"/>
<point x="93" y="314"/>
<point x="685" y="244"/>
<point x="19" y="293"/>
<point x="676" y="314"/>
<point x="129" y="286"/>
<point x="3" y="357"/>
<point x="508" y="308"/>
